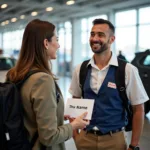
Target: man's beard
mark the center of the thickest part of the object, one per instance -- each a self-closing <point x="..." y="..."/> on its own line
<point x="104" y="47"/>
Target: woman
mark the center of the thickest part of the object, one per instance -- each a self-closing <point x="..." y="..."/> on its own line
<point x="43" y="112"/>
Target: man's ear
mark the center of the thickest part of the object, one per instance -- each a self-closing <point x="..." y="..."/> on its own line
<point x="45" y="42"/>
<point x="112" y="39"/>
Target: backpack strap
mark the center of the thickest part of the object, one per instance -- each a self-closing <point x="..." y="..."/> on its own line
<point x="120" y="81"/>
<point x="82" y="74"/>
<point x="20" y="83"/>
<point x="58" y="93"/>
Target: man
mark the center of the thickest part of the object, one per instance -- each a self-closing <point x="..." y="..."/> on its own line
<point x="121" y="56"/>
<point x="105" y="131"/>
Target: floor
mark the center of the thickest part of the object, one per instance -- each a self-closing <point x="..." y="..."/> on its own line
<point x="145" y="138"/>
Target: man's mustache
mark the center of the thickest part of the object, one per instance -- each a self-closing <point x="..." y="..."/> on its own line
<point x="96" y="42"/>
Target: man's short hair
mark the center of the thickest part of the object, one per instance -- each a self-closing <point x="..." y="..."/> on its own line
<point x="103" y="21"/>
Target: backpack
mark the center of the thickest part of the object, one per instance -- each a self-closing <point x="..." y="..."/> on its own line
<point x="13" y="135"/>
<point x="120" y="82"/>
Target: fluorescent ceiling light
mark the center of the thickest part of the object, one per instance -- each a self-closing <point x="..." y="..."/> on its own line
<point x="22" y="16"/>
<point x="4" y="6"/>
<point x="49" y="8"/>
<point x="7" y="22"/>
<point x="34" y="13"/>
<point x="13" y="19"/>
<point x="70" y="2"/>
<point x="3" y="24"/>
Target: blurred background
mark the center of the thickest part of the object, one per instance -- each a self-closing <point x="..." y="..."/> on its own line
<point x="73" y="19"/>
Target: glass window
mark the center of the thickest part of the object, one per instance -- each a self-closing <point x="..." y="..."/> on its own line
<point x="144" y="40"/>
<point x="126" y="41"/>
<point x="68" y="41"/>
<point x="64" y="53"/>
<point x="144" y="15"/>
<point x="84" y="43"/>
<point x="12" y="41"/>
<point x="144" y="29"/>
<point x="68" y="25"/>
<point x="0" y="41"/>
<point x="61" y="34"/>
<point x="125" y="18"/>
<point x="84" y="25"/>
<point x="126" y="33"/>
<point x="147" y="61"/>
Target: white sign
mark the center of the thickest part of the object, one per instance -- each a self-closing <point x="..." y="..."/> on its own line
<point x="76" y="107"/>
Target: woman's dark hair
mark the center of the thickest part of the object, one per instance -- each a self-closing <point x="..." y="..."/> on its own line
<point x="33" y="53"/>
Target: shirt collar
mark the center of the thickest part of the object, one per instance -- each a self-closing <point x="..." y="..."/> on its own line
<point x="113" y="61"/>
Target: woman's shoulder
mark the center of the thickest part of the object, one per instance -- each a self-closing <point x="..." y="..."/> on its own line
<point x="41" y="77"/>
<point x="41" y="74"/>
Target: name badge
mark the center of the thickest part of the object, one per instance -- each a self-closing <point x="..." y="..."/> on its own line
<point x="112" y="85"/>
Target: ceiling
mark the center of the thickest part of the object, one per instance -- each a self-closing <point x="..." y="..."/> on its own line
<point x="61" y="11"/>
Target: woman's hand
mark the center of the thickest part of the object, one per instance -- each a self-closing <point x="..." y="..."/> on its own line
<point x="79" y="122"/>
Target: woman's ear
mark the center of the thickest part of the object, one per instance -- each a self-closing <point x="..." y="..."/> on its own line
<point x="46" y="43"/>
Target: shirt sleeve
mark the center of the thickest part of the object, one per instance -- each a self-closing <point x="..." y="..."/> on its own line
<point x="75" y="89"/>
<point x="43" y="96"/>
<point x="134" y="86"/>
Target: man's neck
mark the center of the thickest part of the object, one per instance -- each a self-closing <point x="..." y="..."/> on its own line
<point x="101" y="60"/>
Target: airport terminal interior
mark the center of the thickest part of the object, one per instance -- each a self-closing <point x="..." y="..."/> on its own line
<point x="73" y="20"/>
